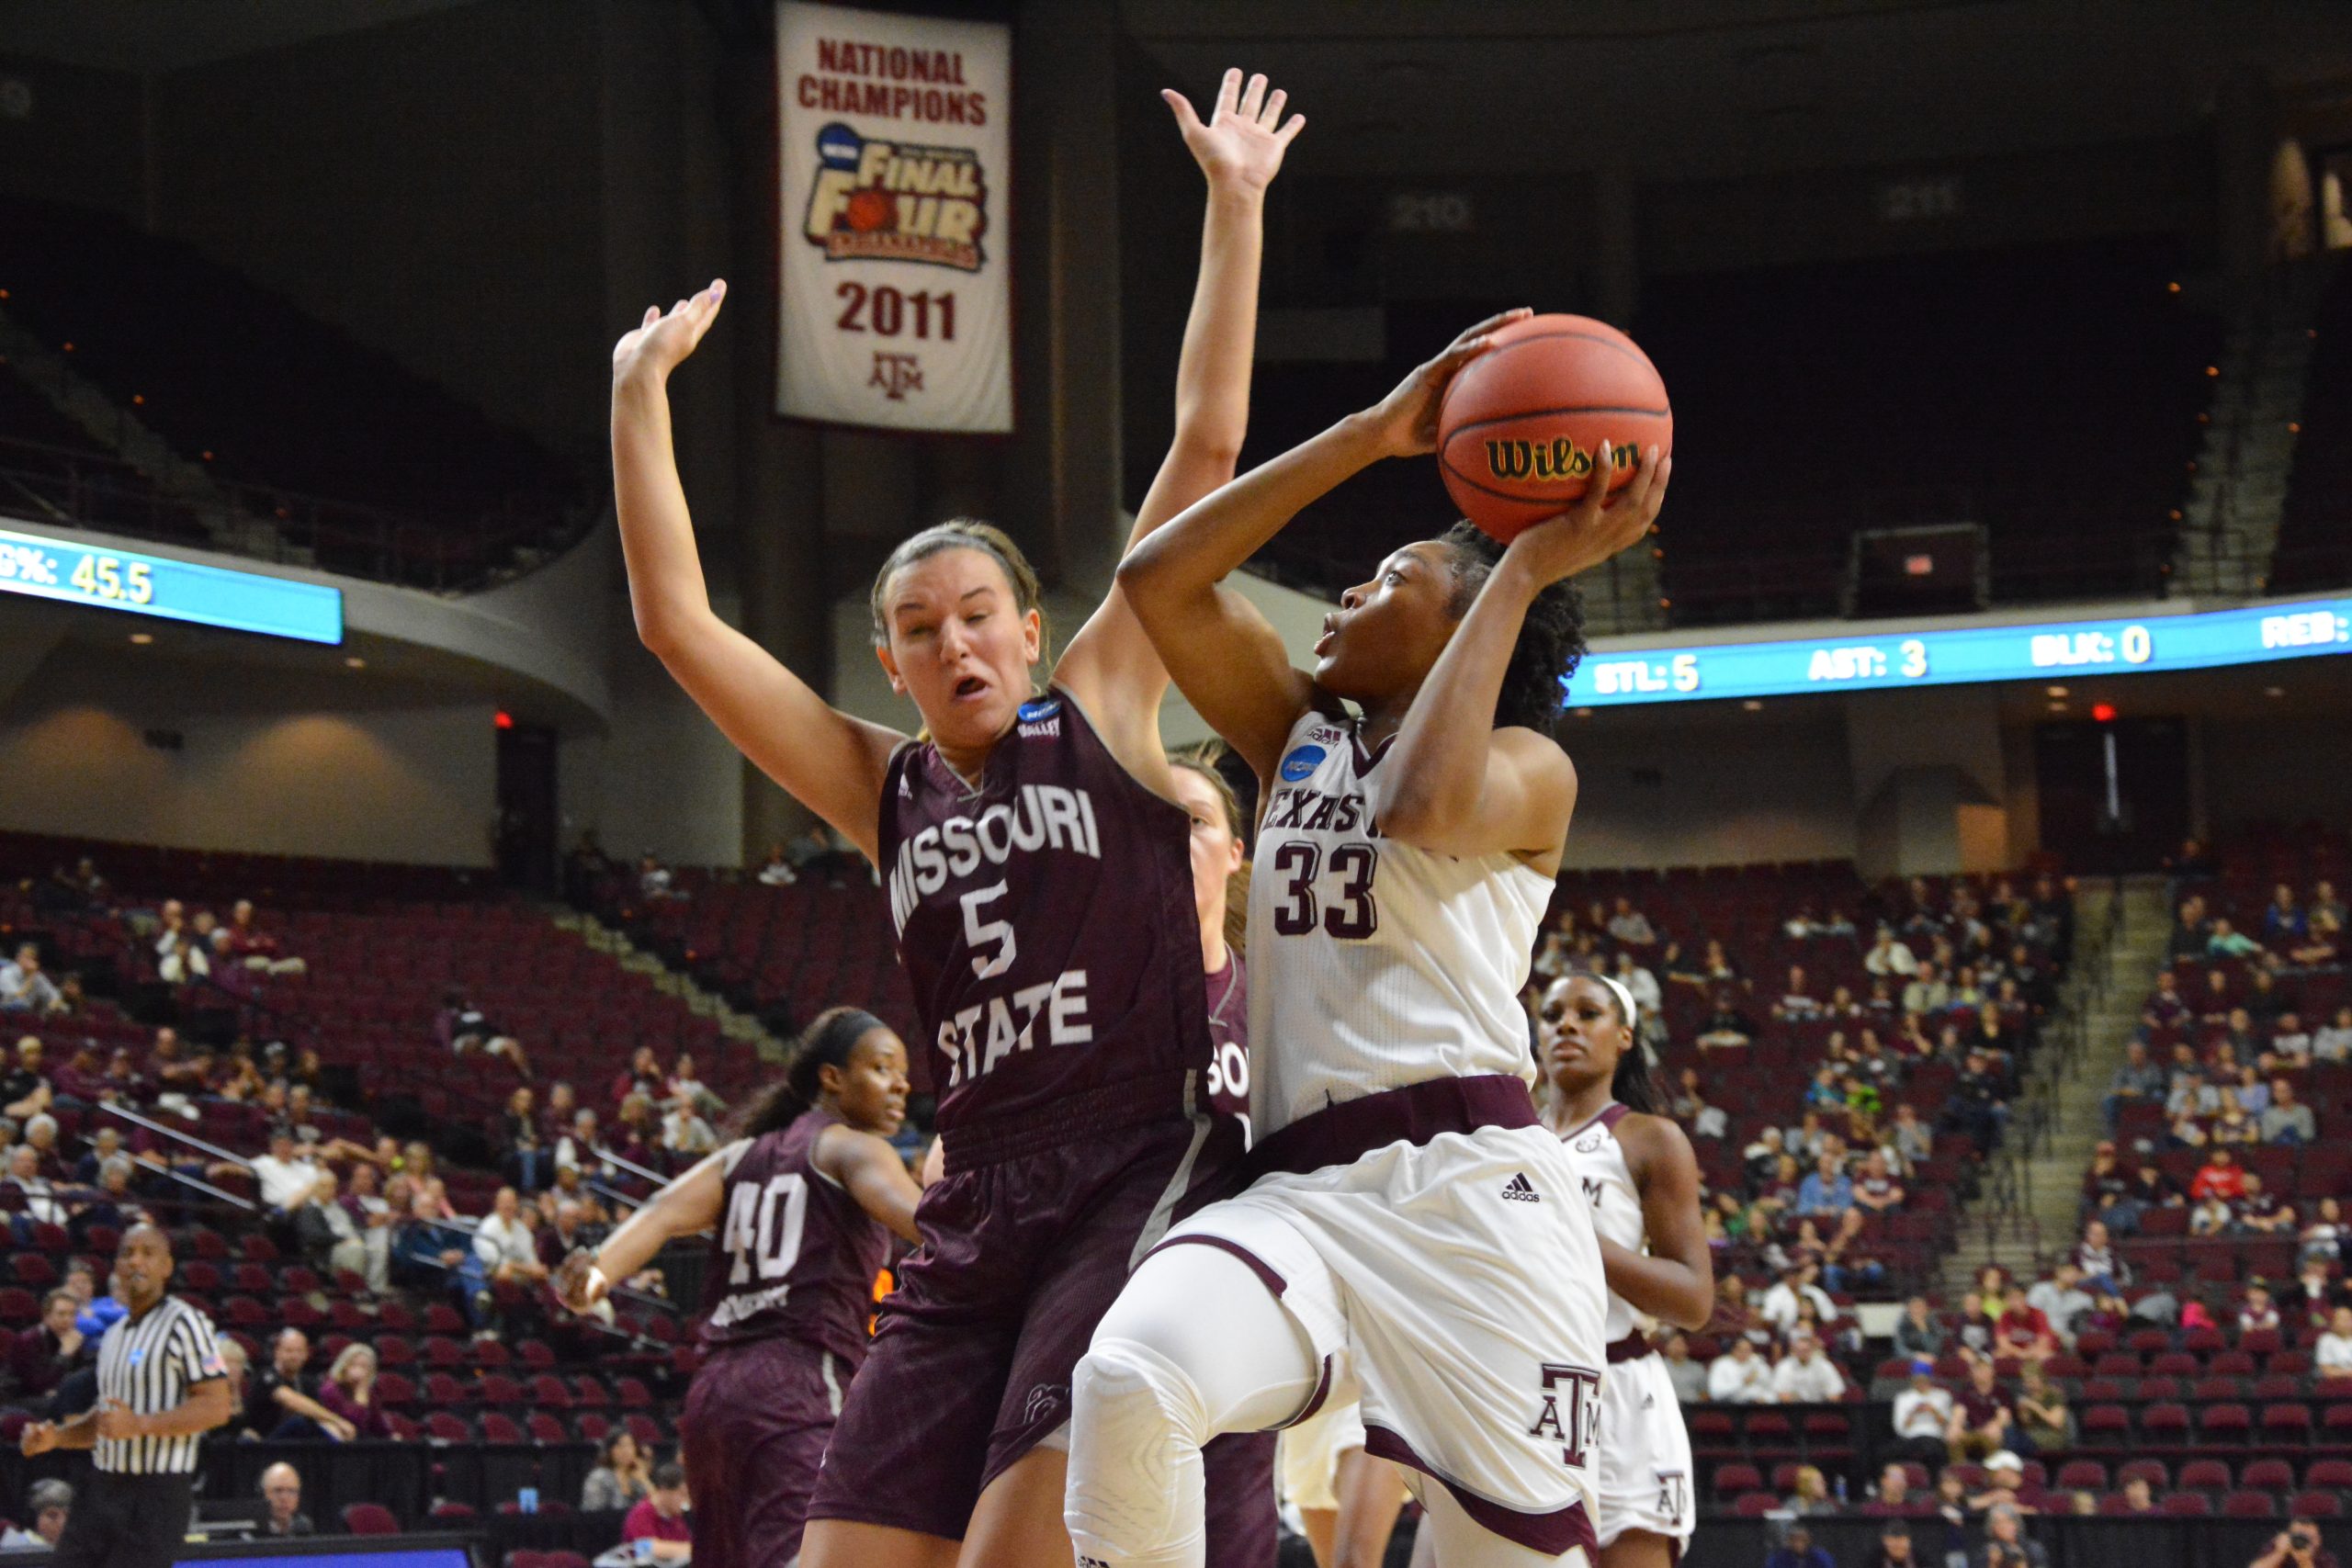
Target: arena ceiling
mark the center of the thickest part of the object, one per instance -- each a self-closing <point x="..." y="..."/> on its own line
<point x="1723" y="88"/>
<point x="146" y="36"/>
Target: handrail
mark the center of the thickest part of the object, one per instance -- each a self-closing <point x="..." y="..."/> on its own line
<point x="136" y="1120"/>
<point x="631" y="1167"/>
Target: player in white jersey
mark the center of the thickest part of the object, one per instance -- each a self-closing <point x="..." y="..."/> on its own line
<point x="1636" y="1170"/>
<point x="1414" y="1237"/>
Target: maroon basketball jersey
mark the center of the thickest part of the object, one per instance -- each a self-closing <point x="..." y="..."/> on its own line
<point x="1228" y="1002"/>
<point x="1045" y="918"/>
<point x="795" y="1255"/>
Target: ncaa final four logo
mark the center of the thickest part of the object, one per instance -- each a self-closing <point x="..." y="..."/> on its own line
<point x="876" y="200"/>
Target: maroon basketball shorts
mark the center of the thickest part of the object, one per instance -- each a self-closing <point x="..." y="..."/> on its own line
<point x="1027" y="1243"/>
<point x="754" y="1428"/>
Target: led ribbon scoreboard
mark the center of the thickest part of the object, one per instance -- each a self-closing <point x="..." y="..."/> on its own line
<point x="174" y="590"/>
<point x="1954" y="656"/>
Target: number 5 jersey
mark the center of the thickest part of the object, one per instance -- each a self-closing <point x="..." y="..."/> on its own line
<point x="1374" y="964"/>
<point x="795" y="1255"/>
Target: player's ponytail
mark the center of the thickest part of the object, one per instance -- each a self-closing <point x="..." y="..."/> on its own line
<point x="828" y="1042"/>
<point x="1551" y="637"/>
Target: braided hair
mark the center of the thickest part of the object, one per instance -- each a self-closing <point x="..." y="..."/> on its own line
<point x="1551" y="640"/>
<point x="828" y="1042"/>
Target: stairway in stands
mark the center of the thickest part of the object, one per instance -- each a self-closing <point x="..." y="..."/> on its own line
<point x="2021" y="1221"/>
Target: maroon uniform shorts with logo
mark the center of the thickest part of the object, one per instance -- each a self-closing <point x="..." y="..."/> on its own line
<point x="753" y="1432"/>
<point x="1027" y="1243"/>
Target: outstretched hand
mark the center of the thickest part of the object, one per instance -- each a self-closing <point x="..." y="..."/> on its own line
<point x="1244" y="141"/>
<point x="661" y="342"/>
<point x="1405" y="422"/>
<point x="576" y="1285"/>
<point x="1596" y="527"/>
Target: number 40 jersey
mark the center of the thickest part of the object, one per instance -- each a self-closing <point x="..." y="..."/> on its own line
<point x="1375" y="965"/>
<point x="794" y="1255"/>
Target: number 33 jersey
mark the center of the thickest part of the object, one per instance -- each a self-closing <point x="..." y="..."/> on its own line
<point x="794" y="1254"/>
<point x="1374" y="964"/>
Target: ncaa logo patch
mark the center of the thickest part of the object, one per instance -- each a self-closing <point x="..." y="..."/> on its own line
<point x="1301" y="763"/>
<point x="1043" y="707"/>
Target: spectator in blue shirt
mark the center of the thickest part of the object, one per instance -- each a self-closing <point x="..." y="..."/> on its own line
<point x="1828" y="1190"/>
<point x="1799" y="1551"/>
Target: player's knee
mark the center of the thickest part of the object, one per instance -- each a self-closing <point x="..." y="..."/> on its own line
<point x="1134" y="1491"/>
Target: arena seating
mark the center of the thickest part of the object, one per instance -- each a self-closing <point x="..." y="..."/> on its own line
<point x="267" y="396"/>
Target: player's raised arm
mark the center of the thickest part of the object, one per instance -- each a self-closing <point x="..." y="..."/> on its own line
<point x="1110" y="666"/>
<point x="831" y="762"/>
<point x="690" y="1203"/>
<point x="1224" y="657"/>
<point x="1461" y="785"/>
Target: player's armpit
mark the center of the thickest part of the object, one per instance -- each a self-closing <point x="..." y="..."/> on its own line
<point x="1524" y="802"/>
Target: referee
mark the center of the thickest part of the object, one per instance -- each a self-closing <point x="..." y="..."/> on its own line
<point x="161" y="1387"/>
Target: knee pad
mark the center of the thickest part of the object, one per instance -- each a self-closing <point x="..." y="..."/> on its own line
<point x="1134" y="1498"/>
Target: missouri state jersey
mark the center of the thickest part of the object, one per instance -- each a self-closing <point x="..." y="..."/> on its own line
<point x="1606" y="1183"/>
<point x="1046" y="918"/>
<point x="1228" y="1005"/>
<point x="795" y="1255"/>
<point x="1378" y="965"/>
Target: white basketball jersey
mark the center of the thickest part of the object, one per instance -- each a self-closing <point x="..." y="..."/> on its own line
<point x="1607" y="1183"/>
<point x="1372" y="964"/>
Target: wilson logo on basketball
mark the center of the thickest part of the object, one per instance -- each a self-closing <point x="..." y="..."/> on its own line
<point x="876" y="200"/>
<point x="1560" y="459"/>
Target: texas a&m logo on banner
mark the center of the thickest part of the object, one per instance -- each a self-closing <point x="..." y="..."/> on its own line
<point x="896" y="300"/>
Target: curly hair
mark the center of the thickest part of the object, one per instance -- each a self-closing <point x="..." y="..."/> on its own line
<point x="1551" y="641"/>
<point x="828" y="1042"/>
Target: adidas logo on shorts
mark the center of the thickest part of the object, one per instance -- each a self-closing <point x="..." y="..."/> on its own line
<point x="1519" y="1190"/>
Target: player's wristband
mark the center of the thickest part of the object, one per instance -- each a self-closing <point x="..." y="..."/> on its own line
<point x="597" y="1282"/>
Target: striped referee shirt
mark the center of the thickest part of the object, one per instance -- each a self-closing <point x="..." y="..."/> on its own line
<point x="151" y="1364"/>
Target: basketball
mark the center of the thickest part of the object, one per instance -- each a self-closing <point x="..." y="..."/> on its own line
<point x="1520" y="424"/>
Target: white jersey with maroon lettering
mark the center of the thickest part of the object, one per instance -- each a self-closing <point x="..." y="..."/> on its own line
<point x="1644" y="1449"/>
<point x="1374" y="964"/>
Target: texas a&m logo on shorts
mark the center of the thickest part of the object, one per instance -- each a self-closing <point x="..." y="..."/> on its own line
<point x="1570" y="1411"/>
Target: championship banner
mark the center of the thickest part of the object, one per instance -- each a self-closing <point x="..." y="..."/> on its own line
<point x="897" y="305"/>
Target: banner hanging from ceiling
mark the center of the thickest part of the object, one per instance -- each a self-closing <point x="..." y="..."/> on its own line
<point x="897" y="306"/>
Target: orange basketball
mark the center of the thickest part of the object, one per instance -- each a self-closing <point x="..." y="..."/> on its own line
<point x="1520" y="424"/>
<point x="869" y="210"/>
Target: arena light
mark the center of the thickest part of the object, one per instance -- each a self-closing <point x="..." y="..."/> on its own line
<point x="2103" y="712"/>
<point x="1881" y="655"/>
<point x="74" y="573"/>
<point x="502" y="719"/>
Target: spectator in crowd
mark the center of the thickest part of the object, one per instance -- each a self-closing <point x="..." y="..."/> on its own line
<point x="2004" y="1476"/>
<point x="2262" y="1212"/>
<point x="2298" y="1546"/>
<point x="2283" y="922"/>
<point x="2226" y="941"/>
<point x="1740" y="1376"/>
<point x="1923" y="1417"/>
<point x="1827" y="1189"/>
<point x="582" y="1148"/>
<point x="2149" y="1188"/>
<point x="248" y="945"/>
<point x="1797" y="1003"/>
<point x="1727" y="1028"/>
<point x="1916" y="1332"/>
<point x="1888" y="956"/>
<point x="48" y="1503"/>
<point x="2042" y="1415"/>
<point x="2331" y="1351"/>
<point x="1894" y="1496"/>
<point x="622" y="1478"/>
<point x="281" y="1488"/>
<point x="426" y="1252"/>
<point x="1809" y="1494"/>
<point x="465" y="1029"/>
<point x="2334" y="1041"/>
<point x="181" y="951"/>
<point x="503" y="1242"/>
<point x="1977" y="1106"/>
<point x="776" y="869"/>
<point x="286" y="1173"/>
<point x="283" y="1400"/>
<point x="1760" y="1158"/>
<point x="2021" y="1332"/>
<point x="1982" y="1422"/>
<point x="330" y="1238"/>
<point x="2313" y="1299"/>
<point x="2257" y="1312"/>
<point x="2290" y="1048"/>
<point x="2138" y="1497"/>
<point x="24" y="1090"/>
<point x="1796" y="1285"/>
<point x="661" y="1518"/>
<point x="1805" y="1376"/>
<point x="1914" y="1139"/>
<point x="684" y="1135"/>
<point x="350" y="1391"/>
<point x="654" y="882"/>
<point x="37" y="1198"/>
<point x="2286" y="1119"/>
<point x="2139" y="1081"/>
<point x="39" y="1357"/>
<point x="1876" y="1190"/>
<point x="2005" y="1543"/>
<point x="1688" y="1376"/>
<point x="2060" y="1299"/>
<point x="1895" y="1549"/>
<point x="23" y="987"/>
<point x="373" y="1213"/>
<point x="1796" y="1550"/>
<point x="2212" y="1216"/>
<point x="2220" y="1177"/>
<point x="1630" y="927"/>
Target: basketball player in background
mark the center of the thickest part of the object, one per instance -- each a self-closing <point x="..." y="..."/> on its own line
<point x="1042" y="899"/>
<point x="1636" y="1168"/>
<point x="803" y="1203"/>
<point x="1405" y="1185"/>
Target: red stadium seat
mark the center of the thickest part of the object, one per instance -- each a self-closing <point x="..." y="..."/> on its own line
<point x="2250" y="1505"/>
<point x="369" y="1519"/>
<point x="2189" y="1505"/>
